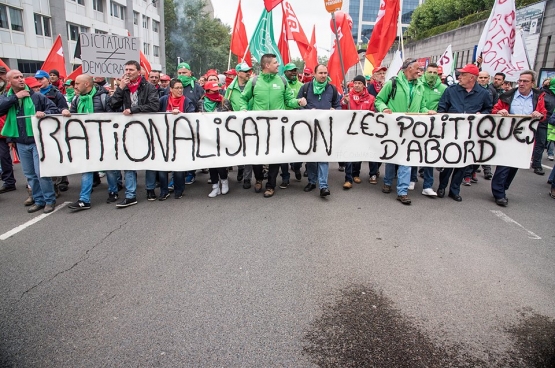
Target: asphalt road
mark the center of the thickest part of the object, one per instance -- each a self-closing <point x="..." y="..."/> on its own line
<point x="353" y="280"/>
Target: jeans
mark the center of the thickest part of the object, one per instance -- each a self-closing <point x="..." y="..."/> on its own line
<point x="285" y="175"/>
<point x="539" y="146"/>
<point x="552" y="175"/>
<point x="456" y="180"/>
<point x="350" y="168"/>
<point x="247" y="174"/>
<point x="318" y="170"/>
<point x="374" y="168"/>
<point x="550" y="148"/>
<point x="150" y="179"/>
<point x="86" y="187"/>
<point x="6" y="164"/>
<point x="501" y="180"/>
<point x="114" y="178"/>
<point x="428" y="173"/>
<point x="414" y="174"/>
<point x="42" y="188"/>
<point x="130" y="183"/>
<point x="403" y="177"/>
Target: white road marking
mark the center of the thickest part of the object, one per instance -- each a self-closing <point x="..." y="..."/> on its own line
<point x="509" y="220"/>
<point x="547" y="167"/>
<point x="22" y="227"/>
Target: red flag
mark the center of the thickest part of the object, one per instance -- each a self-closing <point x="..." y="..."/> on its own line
<point x="270" y="4"/>
<point x="295" y="31"/>
<point x="283" y="46"/>
<point x="239" y="42"/>
<point x="75" y="73"/>
<point x="55" y="59"/>
<point x="348" y="49"/>
<point x="312" y="59"/>
<point x="383" y="35"/>
<point x="145" y="63"/>
<point x="4" y="65"/>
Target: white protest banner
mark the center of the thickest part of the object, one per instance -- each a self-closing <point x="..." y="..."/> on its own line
<point x="165" y="142"/>
<point x="497" y="41"/>
<point x="105" y="55"/>
<point x="446" y="61"/>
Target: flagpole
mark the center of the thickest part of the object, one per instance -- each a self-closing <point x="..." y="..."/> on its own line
<point x="229" y="60"/>
<point x="339" y="50"/>
<point x="400" y="28"/>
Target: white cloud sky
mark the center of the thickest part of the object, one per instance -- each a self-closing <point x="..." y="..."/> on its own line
<point x="310" y="13"/>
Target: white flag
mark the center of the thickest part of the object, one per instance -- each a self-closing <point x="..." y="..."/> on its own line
<point x="395" y="66"/>
<point x="519" y="57"/>
<point x="498" y="40"/>
<point x="446" y="61"/>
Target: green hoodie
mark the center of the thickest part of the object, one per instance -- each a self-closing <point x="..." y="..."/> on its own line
<point x="402" y="96"/>
<point x="269" y="93"/>
<point x="432" y="95"/>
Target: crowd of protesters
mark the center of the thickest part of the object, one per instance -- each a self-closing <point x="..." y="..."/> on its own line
<point x="418" y="89"/>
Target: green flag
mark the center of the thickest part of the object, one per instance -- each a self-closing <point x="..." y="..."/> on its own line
<point x="262" y="41"/>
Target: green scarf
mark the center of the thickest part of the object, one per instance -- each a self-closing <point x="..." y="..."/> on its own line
<point x="293" y="82"/>
<point x="187" y="80"/>
<point x="85" y="104"/>
<point x="431" y="79"/>
<point x="318" y="88"/>
<point x="10" y="128"/>
<point x="209" y="105"/>
<point x="70" y="93"/>
<point x="267" y="77"/>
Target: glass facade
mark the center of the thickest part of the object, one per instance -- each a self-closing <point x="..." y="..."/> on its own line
<point x="370" y="9"/>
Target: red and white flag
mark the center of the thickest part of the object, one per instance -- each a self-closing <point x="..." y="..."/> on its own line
<point x="383" y="35"/>
<point x="283" y="45"/>
<point x="270" y="4"/>
<point x="348" y="49"/>
<point x="295" y="30"/>
<point x="239" y="42"/>
<point x="446" y="61"/>
<point x="498" y="41"/>
<point x="76" y="73"/>
<point x="55" y="59"/>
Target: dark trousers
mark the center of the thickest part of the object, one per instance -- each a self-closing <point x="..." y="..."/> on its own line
<point x="501" y="180"/>
<point x="217" y="173"/>
<point x="374" y="168"/>
<point x="456" y="180"/>
<point x="273" y="172"/>
<point x="539" y="146"/>
<point x="6" y="164"/>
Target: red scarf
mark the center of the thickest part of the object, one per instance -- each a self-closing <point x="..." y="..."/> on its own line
<point x="134" y="86"/>
<point x="377" y="85"/>
<point x="214" y="96"/>
<point x="175" y="103"/>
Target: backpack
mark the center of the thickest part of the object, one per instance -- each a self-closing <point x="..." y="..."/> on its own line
<point x="304" y="90"/>
<point x="393" y="91"/>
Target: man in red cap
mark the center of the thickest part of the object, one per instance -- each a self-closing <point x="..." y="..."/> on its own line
<point x="378" y="79"/>
<point x="229" y="76"/>
<point x="307" y="75"/>
<point x="466" y="97"/>
<point x="165" y="80"/>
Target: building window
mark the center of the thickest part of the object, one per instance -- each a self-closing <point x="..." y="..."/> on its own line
<point x="28" y="66"/>
<point x="155" y="26"/>
<point x="98" y="5"/>
<point x="145" y="22"/>
<point x="4" y="17"/>
<point x="74" y="30"/>
<point x="98" y="31"/>
<point x="117" y="10"/>
<point x="42" y="25"/>
<point x="156" y="50"/>
<point x="16" y="18"/>
<point x="80" y="2"/>
<point x="135" y="18"/>
<point x="146" y="48"/>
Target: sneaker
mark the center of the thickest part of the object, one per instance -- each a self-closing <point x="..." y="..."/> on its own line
<point x="150" y="195"/>
<point x="411" y="185"/>
<point x="127" y="202"/>
<point x="373" y="179"/>
<point x="429" y="192"/>
<point x="269" y="193"/>
<point x="209" y="181"/>
<point x="404" y="199"/>
<point x="284" y="184"/>
<point x="189" y="180"/>
<point x="357" y="180"/>
<point x="324" y="192"/>
<point x="466" y="182"/>
<point x="347" y="185"/>
<point x="163" y="197"/>
<point x="305" y="174"/>
<point x="539" y="171"/>
<point x="474" y="178"/>
<point x="386" y="189"/>
<point x="298" y="175"/>
<point x="170" y="188"/>
<point x="101" y="174"/>
<point x="225" y="186"/>
<point x="550" y="158"/>
<point x="177" y="195"/>
<point x="246" y="184"/>
<point x="215" y="190"/>
<point x="112" y="197"/>
<point x="258" y="186"/>
<point x="79" y="205"/>
<point x="488" y="175"/>
<point x="240" y="173"/>
<point x="341" y="168"/>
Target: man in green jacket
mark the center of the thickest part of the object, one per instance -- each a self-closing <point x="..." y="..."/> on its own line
<point x="406" y="96"/>
<point x="270" y="92"/>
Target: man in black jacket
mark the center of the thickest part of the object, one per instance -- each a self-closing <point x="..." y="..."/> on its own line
<point x="135" y="95"/>
<point x="18" y="105"/>
<point x="90" y="100"/>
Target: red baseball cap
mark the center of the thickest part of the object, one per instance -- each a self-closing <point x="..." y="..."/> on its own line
<point x="307" y="71"/>
<point x="379" y="69"/>
<point x="470" y="68"/>
<point x="165" y="77"/>
<point x="231" y="72"/>
<point x="211" y="86"/>
<point x="32" y="82"/>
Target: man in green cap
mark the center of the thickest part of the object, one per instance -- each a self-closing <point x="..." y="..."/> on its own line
<point x="70" y="90"/>
<point x="290" y="72"/>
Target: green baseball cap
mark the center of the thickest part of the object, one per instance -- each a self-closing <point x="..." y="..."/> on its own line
<point x="242" y="67"/>
<point x="290" y="66"/>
